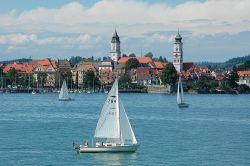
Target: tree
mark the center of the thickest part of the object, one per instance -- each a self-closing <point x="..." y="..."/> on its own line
<point x="149" y="54"/>
<point x="233" y="78"/>
<point x="125" y="81"/>
<point x="124" y="55"/>
<point x="132" y="55"/>
<point x="90" y="79"/>
<point x="68" y="78"/>
<point x="244" y="88"/>
<point x="169" y="75"/>
<point x="12" y="76"/>
<point x="76" y="83"/>
<point x="160" y="59"/>
<point x="41" y="78"/>
<point x="165" y="60"/>
<point x="132" y="63"/>
<point x="74" y="60"/>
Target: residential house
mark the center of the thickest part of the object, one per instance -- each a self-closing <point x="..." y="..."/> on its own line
<point x="47" y="66"/>
<point x="83" y="67"/>
<point x="244" y="78"/>
<point x="141" y="76"/>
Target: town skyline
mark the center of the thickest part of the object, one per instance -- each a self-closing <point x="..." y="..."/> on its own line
<point x="37" y="30"/>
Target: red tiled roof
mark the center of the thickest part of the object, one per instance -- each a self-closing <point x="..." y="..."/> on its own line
<point x="188" y="66"/>
<point x="159" y="65"/>
<point x="243" y="73"/>
<point x="140" y="59"/>
<point x="104" y="71"/>
<point x="44" y="63"/>
<point x="24" y="68"/>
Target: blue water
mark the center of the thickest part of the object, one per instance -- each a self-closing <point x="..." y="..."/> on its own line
<point x="39" y="130"/>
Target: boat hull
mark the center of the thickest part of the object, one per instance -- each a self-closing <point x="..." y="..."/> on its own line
<point x="183" y="105"/>
<point x="69" y="99"/>
<point x="107" y="149"/>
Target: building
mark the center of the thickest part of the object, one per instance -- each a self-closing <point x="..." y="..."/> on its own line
<point x="115" y="47"/>
<point x="83" y="67"/>
<point x="178" y="53"/>
<point x="64" y="66"/>
<point x="22" y="68"/>
<point x="47" y="66"/>
<point x="140" y="59"/>
<point x="107" y="65"/>
<point x="244" y="78"/>
<point x="141" y="75"/>
<point x="105" y="76"/>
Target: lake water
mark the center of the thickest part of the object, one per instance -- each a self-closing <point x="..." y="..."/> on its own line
<point x="39" y="130"/>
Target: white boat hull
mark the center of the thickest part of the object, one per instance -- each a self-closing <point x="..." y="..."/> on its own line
<point x="108" y="149"/>
<point x="183" y="105"/>
<point x="66" y="99"/>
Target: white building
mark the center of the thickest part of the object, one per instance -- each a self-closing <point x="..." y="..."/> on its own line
<point x="178" y="53"/>
<point x="115" y="47"/>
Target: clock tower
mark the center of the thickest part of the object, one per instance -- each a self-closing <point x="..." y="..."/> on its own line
<point x="115" y="47"/>
<point x="178" y="53"/>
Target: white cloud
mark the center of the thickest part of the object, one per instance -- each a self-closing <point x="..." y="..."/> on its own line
<point x="209" y="17"/>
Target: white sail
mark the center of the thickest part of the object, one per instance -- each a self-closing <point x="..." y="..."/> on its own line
<point x="182" y="94"/>
<point x="178" y="92"/>
<point x="108" y="123"/>
<point x="64" y="94"/>
<point x="127" y="134"/>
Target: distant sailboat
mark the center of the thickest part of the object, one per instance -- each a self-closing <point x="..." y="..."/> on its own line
<point x="180" y="95"/>
<point x="64" y="94"/>
<point x="113" y="126"/>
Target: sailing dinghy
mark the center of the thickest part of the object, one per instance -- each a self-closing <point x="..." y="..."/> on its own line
<point x="113" y="126"/>
<point x="180" y="95"/>
<point x="64" y="93"/>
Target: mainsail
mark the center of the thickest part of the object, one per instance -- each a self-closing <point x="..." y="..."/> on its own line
<point x="113" y="123"/>
<point x="64" y="94"/>
<point x="180" y="95"/>
<point x="108" y="123"/>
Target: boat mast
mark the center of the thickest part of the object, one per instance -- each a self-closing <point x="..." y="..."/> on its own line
<point x="118" y="107"/>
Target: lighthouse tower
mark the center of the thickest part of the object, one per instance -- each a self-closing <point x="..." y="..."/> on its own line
<point x="115" y="47"/>
<point x="178" y="53"/>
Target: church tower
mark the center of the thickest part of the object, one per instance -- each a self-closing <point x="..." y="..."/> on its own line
<point x="115" y="47"/>
<point x="178" y="53"/>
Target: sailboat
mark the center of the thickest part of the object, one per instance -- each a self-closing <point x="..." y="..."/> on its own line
<point x="113" y="126"/>
<point x="180" y="95"/>
<point x="64" y="94"/>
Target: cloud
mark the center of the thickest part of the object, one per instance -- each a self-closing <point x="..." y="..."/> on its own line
<point x="209" y="17"/>
<point x="77" y="29"/>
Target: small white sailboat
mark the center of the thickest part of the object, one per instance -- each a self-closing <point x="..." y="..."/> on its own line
<point x="113" y="126"/>
<point x="180" y="95"/>
<point x="64" y="94"/>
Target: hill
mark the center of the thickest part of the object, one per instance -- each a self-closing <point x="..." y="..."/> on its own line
<point x="22" y="60"/>
<point x="225" y="65"/>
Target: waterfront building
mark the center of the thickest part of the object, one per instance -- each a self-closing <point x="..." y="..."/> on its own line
<point x="83" y="67"/>
<point x="64" y="66"/>
<point x="106" y="65"/>
<point x="178" y="53"/>
<point x="47" y="66"/>
<point x="141" y="76"/>
<point x="115" y="47"/>
<point x="244" y="78"/>
<point x="22" y="68"/>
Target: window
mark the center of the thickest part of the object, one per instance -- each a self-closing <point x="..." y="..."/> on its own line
<point x="176" y="49"/>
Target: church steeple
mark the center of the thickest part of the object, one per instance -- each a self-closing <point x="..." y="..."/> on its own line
<point x="115" y="47"/>
<point x="178" y="52"/>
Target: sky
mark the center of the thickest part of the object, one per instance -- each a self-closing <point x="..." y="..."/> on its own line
<point x="212" y="30"/>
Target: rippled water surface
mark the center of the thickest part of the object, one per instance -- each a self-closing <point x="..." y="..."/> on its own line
<point x="39" y="130"/>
